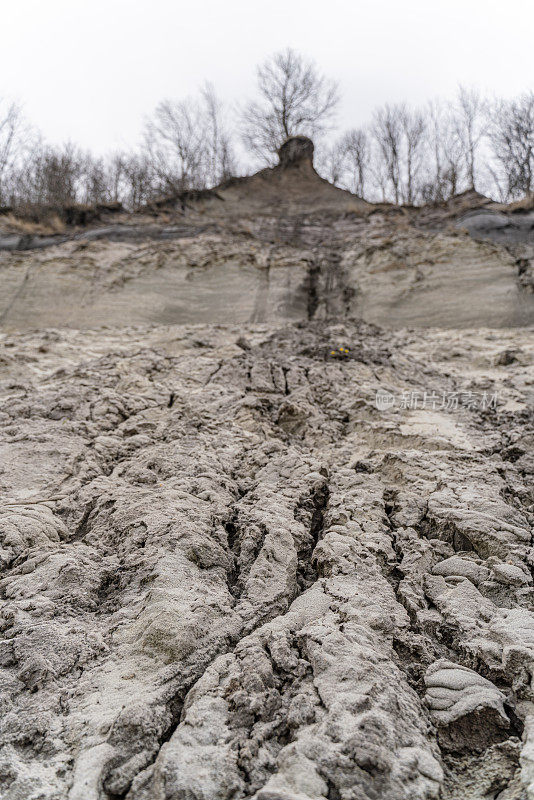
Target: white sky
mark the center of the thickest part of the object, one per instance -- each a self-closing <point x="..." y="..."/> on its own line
<point x="89" y="70"/>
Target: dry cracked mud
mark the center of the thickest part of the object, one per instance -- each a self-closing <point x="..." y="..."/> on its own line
<point x="228" y="574"/>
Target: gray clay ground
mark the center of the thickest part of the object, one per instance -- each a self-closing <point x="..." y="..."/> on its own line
<point x="225" y="573"/>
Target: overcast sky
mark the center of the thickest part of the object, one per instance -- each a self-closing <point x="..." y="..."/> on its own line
<point x="89" y="70"/>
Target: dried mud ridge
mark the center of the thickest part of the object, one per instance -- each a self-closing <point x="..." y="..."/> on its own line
<point x="226" y="574"/>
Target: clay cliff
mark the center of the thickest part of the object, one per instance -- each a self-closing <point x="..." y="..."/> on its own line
<point x="282" y="245"/>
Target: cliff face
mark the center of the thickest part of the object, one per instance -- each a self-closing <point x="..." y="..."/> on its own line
<point x="272" y="551"/>
<point x="280" y="246"/>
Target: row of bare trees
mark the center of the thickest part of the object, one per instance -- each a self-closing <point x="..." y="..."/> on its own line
<point x="403" y="155"/>
<point x="186" y="145"/>
<point x="429" y="154"/>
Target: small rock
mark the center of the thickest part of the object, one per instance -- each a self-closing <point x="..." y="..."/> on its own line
<point x="467" y="709"/>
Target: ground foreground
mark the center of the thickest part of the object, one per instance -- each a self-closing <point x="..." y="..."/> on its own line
<point x="228" y="574"/>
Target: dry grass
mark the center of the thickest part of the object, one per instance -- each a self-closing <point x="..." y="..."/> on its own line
<point x="46" y="219"/>
<point x="355" y="207"/>
<point x="49" y="226"/>
<point x="525" y="204"/>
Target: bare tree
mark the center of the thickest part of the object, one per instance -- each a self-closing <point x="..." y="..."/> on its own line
<point x="452" y="161"/>
<point x="294" y="99"/>
<point x="60" y="172"/>
<point x="116" y="175"/>
<point x="387" y="132"/>
<point x="470" y="119"/>
<point x="174" y="139"/>
<point x="221" y="163"/>
<point x="94" y="179"/>
<point x="413" y="127"/>
<point x="357" y="154"/>
<point x="139" y="181"/>
<point x="49" y="176"/>
<point x="13" y="135"/>
<point x="330" y="162"/>
<point x="511" y="138"/>
<point x="445" y="153"/>
<point x="433" y="189"/>
<point x="123" y="177"/>
<point x="188" y="143"/>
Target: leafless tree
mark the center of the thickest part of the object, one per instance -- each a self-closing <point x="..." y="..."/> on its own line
<point x="60" y="172"/>
<point x="175" y="143"/>
<point x="49" y="175"/>
<point x="399" y="134"/>
<point x="13" y="139"/>
<point x="470" y="121"/>
<point x="294" y="99"/>
<point x="413" y="127"/>
<point x="425" y="155"/>
<point x="387" y="133"/>
<point x="433" y="189"/>
<point x="346" y="162"/>
<point x="511" y="138"/>
<point x="220" y="159"/>
<point x="94" y="179"/>
<point x="188" y="143"/>
<point x="139" y="181"/>
<point x="445" y="153"/>
<point x="357" y="152"/>
<point x="452" y="162"/>
<point x="330" y="162"/>
<point x="117" y="165"/>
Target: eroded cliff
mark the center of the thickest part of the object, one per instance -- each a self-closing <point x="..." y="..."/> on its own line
<point x="230" y="569"/>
